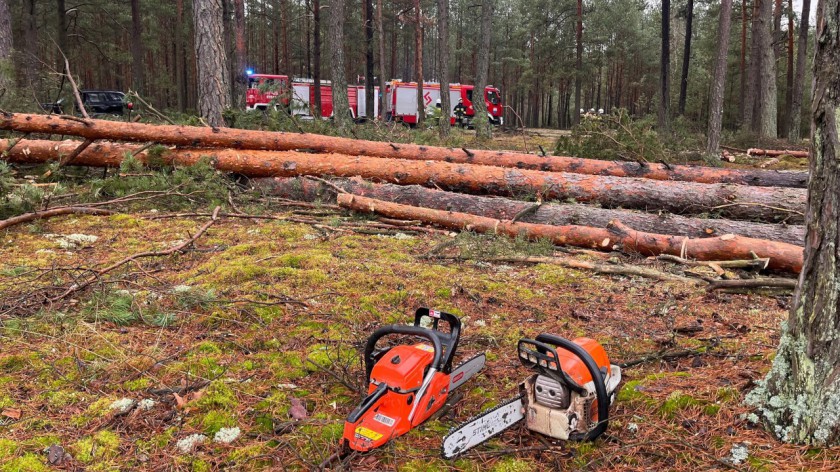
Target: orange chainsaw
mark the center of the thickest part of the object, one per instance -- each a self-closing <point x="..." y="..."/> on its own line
<point x="408" y="383"/>
<point x="568" y="397"/>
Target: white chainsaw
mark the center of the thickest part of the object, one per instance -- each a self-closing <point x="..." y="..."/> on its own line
<point x="568" y="397"/>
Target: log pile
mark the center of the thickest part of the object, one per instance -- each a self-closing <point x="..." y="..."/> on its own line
<point x="701" y="213"/>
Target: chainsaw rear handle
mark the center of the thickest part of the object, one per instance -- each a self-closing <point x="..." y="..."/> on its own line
<point x="598" y="380"/>
<point x="387" y="330"/>
<point x="543" y="358"/>
<point x="449" y="341"/>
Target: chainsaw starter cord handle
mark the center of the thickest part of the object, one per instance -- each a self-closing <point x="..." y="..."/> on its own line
<point x="400" y="329"/>
<point x="597" y="379"/>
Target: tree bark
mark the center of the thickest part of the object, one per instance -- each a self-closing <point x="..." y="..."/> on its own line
<point x="799" y="399"/>
<point x="316" y="56"/>
<point x="239" y="76"/>
<point x="529" y="212"/>
<point x="443" y="67"/>
<point x="754" y="69"/>
<point x="787" y="114"/>
<point x="799" y="82"/>
<point x="418" y="61"/>
<point x="783" y="257"/>
<point x="137" y="66"/>
<point x="665" y="69"/>
<point x="742" y="64"/>
<point x="341" y="104"/>
<point x="578" y="61"/>
<point x="7" y="76"/>
<point x="213" y="89"/>
<point x="483" y="128"/>
<point x="180" y="58"/>
<point x="766" y="113"/>
<point x="32" y="63"/>
<point x="719" y="80"/>
<point x="190" y="136"/>
<point x="380" y="26"/>
<point x="729" y="201"/>
<point x="369" y="80"/>
<point x="61" y="12"/>
<point x="687" y="56"/>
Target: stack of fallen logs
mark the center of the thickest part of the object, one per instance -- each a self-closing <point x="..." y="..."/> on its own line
<point x="701" y="213"/>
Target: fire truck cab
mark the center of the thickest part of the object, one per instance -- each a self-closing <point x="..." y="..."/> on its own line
<point x="402" y="101"/>
<point x="492" y="99"/>
<point x="264" y="90"/>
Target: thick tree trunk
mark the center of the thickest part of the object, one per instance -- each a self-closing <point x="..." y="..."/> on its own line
<point x="754" y="70"/>
<point x="369" y="85"/>
<point x="687" y="56"/>
<point x="341" y="104"/>
<point x="418" y="61"/>
<point x="7" y="76"/>
<point x="766" y="113"/>
<point x="578" y="61"/>
<point x="547" y="213"/>
<point x="787" y="114"/>
<point x="180" y="58"/>
<point x="137" y="66"/>
<point x="380" y="27"/>
<point x="284" y="34"/>
<point x="743" y="63"/>
<point x="316" y="56"/>
<point x="665" y="69"/>
<point x="800" y="398"/>
<point x="729" y="201"/>
<point x="32" y="64"/>
<point x="189" y="136"/>
<point x="799" y="81"/>
<point x="61" y="13"/>
<point x="213" y="89"/>
<point x="783" y="257"/>
<point x="719" y="80"/>
<point x="443" y="67"/>
<point x="239" y="76"/>
<point x="483" y="128"/>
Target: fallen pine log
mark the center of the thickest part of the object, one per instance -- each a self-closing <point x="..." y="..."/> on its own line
<point x="732" y="201"/>
<point x="529" y="212"/>
<point x="189" y="136"/>
<point x="783" y="257"/>
<point x="776" y="152"/>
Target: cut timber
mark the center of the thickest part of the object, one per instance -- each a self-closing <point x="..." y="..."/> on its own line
<point x="188" y="136"/>
<point x="547" y="213"/>
<point x="776" y="153"/>
<point x="783" y="257"/>
<point x="732" y="201"/>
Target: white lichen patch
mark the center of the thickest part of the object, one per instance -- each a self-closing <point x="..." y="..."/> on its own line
<point x="181" y="289"/>
<point x="738" y="453"/>
<point x="72" y="241"/>
<point x="227" y="435"/>
<point x="189" y="443"/>
<point x="122" y="405"/>
<point x="146" y="404"/>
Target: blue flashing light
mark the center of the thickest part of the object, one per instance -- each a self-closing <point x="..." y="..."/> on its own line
<point x="249" y="71"/>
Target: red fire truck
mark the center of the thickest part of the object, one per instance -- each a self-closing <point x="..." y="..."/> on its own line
<point x="303" y="99"/>
<point x="402" y="101"/>
<point x="263" y="89"/>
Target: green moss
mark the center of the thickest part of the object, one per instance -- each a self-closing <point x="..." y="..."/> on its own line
<point x="215" y="420"/>
<point x="251" y="455"/>
<point x="206" y="347"/>
<point x="218" y="395"/>
<point x="8" y="448"/>
<point x="199" y="465"/>
<point x="97" y="409"/>
<point x="711" y="409"/>
<point x="276" y="404"/>
<point x="511" y="464"/>
<point x="11" y="364"/>
<point x="104" y="445"/>
<point x="27" y="463"/>
<point x="136" y="384"/>
<point x="423" y="465"/>
<point x="677" y="401"/>
<point x="727" y="394"/>
<point x="126" y="221"/>
<point x="632" y="392"/>
<point x="555" y="275"/>
<point x="444" y="292"/>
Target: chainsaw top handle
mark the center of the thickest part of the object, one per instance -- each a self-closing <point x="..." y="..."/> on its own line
<point x="432" y="336"/>
<point x="449" y="341"/>
<point x="597" y="378"/>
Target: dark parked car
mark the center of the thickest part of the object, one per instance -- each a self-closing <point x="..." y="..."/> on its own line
<point x="97" y="103"/>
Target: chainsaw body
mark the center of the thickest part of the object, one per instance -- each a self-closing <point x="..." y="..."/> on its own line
<point x="570" y="395"/>
<point x="407" y="383"/>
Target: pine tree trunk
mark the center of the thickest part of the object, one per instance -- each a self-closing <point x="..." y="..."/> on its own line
<point x="578" y="61"/>
<point x="137" y="66"/>
<point x="341" y="104"/>
<point x="212" y="70"/>
<point x="753" y="70"/>
<point x="32" y="64"/>
<point x="180" y="59"/>
<point x="61" y="12"/>
<point x="7" y="77"/>
<point x="286" y="66"/>
<point x="766" y="98"/>
<point x="369" y="85"/>
<point x="799" y="400"/>
<point x="787" y="114"/>
<point x="443" y="67"/>
<point x="316" y="56"/>
<point x="799" y="80"/>
<point x="687" y="56"/>
<point x="239" y="76"/>
<point x="665" y="69"/>
<point x="380" y="26"/>
<point x="483" y="127"/>
<point x="719" y="80"/>
<point x="743" y="63"/>
<point x="418" y="61"/>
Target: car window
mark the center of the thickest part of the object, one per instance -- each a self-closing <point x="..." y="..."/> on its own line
<point x="116" y="97"/>
<point x="469" y="94"/>
<point x="95" y="98"/>
<point x="493" y="97"/>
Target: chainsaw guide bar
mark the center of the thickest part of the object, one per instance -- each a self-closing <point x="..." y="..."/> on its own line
<point x="483" y="427"/>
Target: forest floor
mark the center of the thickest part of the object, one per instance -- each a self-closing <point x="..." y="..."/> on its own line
<point x="259" y="314"/>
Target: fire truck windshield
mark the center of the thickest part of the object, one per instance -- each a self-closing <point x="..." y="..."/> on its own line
<point x="493" y="97"/>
